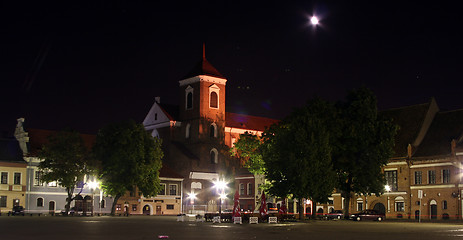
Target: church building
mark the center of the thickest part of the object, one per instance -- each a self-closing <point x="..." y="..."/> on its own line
<point x="198" y="135"/>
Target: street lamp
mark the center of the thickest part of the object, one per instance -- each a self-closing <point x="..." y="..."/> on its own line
<point x="192" y="197"/>
<point x="388" y="189"/>
<point x="93" y="185"/>
<point x="220" y="187"/>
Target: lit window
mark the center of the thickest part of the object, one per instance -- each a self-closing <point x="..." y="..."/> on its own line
<point x="391" y="179"/>
<point x="52" y="184"/>
<point x="118" y="207"/>
<point x="241" y="189"/>
<point x="38" y="178"/>
<point x="359" y="204"/>
<point x="399" y="204"/>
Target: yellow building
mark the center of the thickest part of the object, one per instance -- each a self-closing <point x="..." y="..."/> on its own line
<point x="12" y="175"/>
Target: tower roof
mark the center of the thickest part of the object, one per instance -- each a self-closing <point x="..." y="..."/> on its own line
<point x="203" y="67"/>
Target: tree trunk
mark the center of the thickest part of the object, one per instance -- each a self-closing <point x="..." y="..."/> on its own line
<point x="69" y="199"/>
<point x="314" y="209"/>
<point x="346" y="205"/>
<point x="113" y="208"/>
<point x="301" y="209"/>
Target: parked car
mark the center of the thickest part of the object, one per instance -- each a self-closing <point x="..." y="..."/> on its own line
<point x="335" y="215"/>
<point x="17" y="210"/>
<point x="368" y="215"/>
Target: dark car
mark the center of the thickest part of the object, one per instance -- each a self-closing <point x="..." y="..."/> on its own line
<point x="368" y="215"/>
<point x="336" y="215"/>
<point x="17" y="210"/>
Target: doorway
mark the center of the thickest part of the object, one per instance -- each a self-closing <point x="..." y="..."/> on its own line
<point x="433" y="205"/>
<point x="380" y="208"/>
<point x="158" y="210"/>
<point x="51" y="207"/>
<point x="146" y="210"/>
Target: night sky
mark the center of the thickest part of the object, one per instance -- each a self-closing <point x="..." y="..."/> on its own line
<point x="82" y="64"/>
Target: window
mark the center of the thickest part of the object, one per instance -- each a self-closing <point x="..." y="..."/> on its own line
<point x="359" y="204"/>
<point x="399" y="204"/>
<point x="196" y="185"/>
<point x="2" y="201"/>
<point x="170" y="206"/>
<point x="118" y="207"/>
<point x="431" y="177"/>
<point x="241" y="189"/>
<point x="163" y="189"/>
<point x="4" y="178"/>
<point x="172" y="189"/>
<point x="418" y="177"/>
<point x="134" y="207"/>
<point x="391" y="179"/>
<point x="446" y="176"/>
<point x="38" y="178"/>
<point x="214" y="156"/>
<point x="52" y="184"/>
<point x="103" y="203"/>
<point x="214" y="100"/>
<point x="189" y="97"/>
<point x="444" y="204"/>
<point x="17" y="178"/>
<point x="249" y="189"/>
<point x="187" y="131"/>
<point x="213" y="130"/>
<point x="39" y="202"/>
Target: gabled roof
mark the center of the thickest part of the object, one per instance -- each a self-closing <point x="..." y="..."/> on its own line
<point x="161" y="113"/>
<point x="413" y="122"/>
<point x="203" y="67"/>
<point x="447" y="126"/>
<point x="236" y="120"/>
<point x="39" y="137"/>
<point x="10" y="150"/>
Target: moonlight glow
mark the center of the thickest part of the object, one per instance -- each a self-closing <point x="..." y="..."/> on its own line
<point x="314" y="20"/>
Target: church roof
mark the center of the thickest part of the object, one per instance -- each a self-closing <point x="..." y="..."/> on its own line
<point x="39" y="137"/>
<point x="203" y="67"/>
<point x="236" y="120"/>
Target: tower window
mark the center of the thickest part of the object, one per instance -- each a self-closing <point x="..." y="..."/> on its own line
<point x="214" y="156"/>
<point x="214" y="100"/>
<point x="213" y="130"/>
<point x="189" y="98"/>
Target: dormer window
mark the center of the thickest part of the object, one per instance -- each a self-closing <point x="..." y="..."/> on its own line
<point x="189" y="98"/>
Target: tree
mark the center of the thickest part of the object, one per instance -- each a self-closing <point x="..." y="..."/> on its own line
<point x="297" y="154"/>
<point x="247" y="149"/>
<point x="130" y="157"/>
<point x="66" y="161"/>
<point x="363" y="147"/>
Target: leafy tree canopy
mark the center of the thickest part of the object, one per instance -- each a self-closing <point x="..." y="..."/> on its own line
<point x="130" y="157"/>
<point x="66" y="161"/>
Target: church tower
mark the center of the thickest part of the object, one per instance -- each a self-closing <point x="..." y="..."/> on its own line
<point x="202" y="113"/>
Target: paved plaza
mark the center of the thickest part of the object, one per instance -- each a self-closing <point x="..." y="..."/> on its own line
<point x="151" y="227"/>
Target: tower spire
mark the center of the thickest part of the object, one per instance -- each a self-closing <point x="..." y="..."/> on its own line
<point x="204" y="50"/>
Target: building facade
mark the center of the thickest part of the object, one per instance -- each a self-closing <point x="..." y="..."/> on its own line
<point x="12" y="175"/>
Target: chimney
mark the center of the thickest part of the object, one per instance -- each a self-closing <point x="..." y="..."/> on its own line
<point x="157" y="99"/>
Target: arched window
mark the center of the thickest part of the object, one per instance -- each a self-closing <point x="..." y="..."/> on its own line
<point x="399" y="204"/>
<point x="189" y="98"/>
<point x="213" y="130"/>
<point x="214" y="100"/>
<point x="187" y="131"/>
<point x="359" y="204"/>
<point x="214" y="156"/>
<point x="39" y="202"/>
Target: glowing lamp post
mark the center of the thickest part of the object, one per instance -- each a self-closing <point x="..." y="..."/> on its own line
<point x="388" y="189"/>
<point x="93" y="185"/>
<point x="220" y="187"/>
<point x="192" y="197"/>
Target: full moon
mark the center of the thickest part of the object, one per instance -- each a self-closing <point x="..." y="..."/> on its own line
<point x="314" y="20"/>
